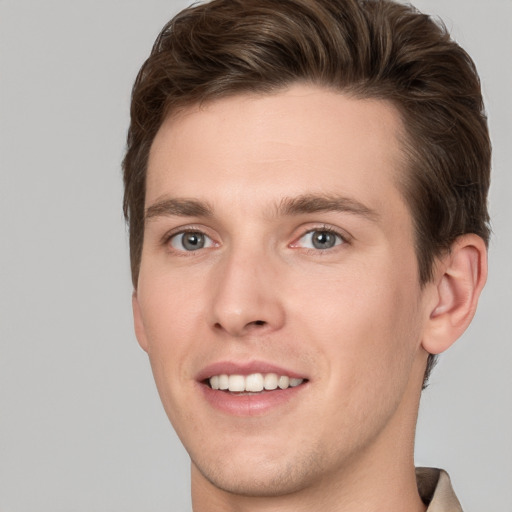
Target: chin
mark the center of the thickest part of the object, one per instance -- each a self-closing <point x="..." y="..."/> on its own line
<point x="255" y="478"/>
<point x="256" y="474"/>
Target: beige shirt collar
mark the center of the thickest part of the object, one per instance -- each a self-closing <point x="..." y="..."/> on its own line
<point x="436" y="490"/>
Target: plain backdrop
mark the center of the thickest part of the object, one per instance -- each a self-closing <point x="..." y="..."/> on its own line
<point x="81" y="426"/>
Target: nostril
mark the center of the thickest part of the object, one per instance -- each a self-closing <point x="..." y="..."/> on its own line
<point x="239" y="329"/>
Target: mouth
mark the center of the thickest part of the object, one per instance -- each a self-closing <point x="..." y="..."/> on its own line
<point x="253" y="383"/>
<point x="251" y="388"/>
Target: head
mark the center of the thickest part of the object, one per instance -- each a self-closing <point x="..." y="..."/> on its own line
<point x="367" y="49"/>
<point x="330" y="161"/>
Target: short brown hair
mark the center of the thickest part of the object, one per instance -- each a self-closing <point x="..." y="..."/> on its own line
<point x="366" y="48"/>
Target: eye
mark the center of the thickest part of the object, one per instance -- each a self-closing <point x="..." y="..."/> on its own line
<point x="190" y="241"/>
<point x="320" y="239"/>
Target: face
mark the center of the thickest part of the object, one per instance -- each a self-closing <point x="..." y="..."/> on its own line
<point x="278" y="262"/>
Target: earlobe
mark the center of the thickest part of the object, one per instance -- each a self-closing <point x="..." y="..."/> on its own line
<point x="461" y="276"/>
<point x="140" y="331"/>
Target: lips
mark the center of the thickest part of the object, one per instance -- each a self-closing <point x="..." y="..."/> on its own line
<point x="251" y="388"/>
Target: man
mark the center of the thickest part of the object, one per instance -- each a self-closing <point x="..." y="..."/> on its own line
<point x="306" y="184"/>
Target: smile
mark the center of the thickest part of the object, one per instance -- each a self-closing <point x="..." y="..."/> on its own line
<point x="253" y="383"/>
<point x="250" y="388"/>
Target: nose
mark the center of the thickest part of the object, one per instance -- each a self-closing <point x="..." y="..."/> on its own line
<point x="246" y="296"/>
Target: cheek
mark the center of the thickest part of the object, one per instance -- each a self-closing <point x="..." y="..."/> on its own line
<point x="365" y="320"/>
<point x="170" y="310"/>
<point x="166" y="311"/>
<point x="169" y="303"/>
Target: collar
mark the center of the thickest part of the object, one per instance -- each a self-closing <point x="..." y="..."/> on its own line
<point x="436" y="490"/>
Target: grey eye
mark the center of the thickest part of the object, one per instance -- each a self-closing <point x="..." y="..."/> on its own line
<point x="320" y="239"/>
<point x="190" y="241"/>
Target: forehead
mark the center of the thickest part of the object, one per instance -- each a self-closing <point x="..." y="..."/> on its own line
<point x="302" y="140"/>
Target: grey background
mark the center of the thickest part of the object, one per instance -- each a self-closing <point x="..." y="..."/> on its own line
<point x="81" y="426"/>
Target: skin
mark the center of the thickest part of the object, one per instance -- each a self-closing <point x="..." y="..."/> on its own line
<point x="352" y="319"/>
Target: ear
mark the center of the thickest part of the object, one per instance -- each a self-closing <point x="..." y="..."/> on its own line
<point x="140" y="331"/>
<point x="459" y="278"/>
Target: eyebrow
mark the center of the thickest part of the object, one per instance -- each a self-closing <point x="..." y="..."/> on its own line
<point x="314" y="203"/>
<point x="178" y="207"/>
<point x="288" y="206"/>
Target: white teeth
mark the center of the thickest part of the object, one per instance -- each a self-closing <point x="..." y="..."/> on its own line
<point x="223" y="382"/>
<point x="214" y="382"/>
<point x="295" y="382"/>
<point x="270" y="381"/>
<point x="253" y="383"/>
<point x="236" y="383"/>
<point x="284" y="382"/>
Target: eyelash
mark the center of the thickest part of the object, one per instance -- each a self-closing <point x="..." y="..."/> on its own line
<point x="167" y="239"/>
<point x="343" y="239"/>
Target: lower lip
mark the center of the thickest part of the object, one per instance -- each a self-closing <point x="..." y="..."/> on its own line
<point x="249" y="404"/>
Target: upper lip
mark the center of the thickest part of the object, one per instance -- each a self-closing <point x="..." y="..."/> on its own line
<point x="244" y="368"/>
